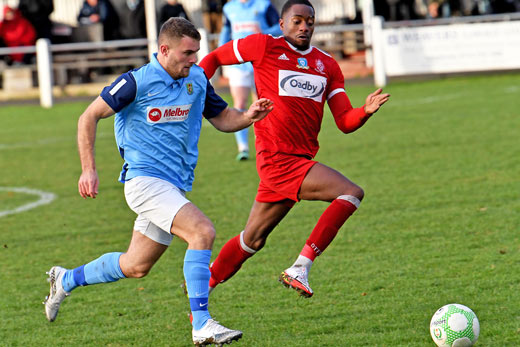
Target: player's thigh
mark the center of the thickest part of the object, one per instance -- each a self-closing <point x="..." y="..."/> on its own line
<point x="326" y="184"/>
<point x="154" y="200"/>
<point x="193" y="226"/>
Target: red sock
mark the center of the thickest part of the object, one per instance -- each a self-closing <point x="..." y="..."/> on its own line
<point x="327" y="227"/>
<point x="228" y="262"/>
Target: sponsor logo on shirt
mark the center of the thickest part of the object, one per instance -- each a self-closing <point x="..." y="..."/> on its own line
<point x="283" y="57"/>
<point x="249" y="27"/>
<point x="164" y="114"/>
<point x="302" y="85"/>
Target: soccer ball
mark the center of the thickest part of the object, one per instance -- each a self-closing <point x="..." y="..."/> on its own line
<point x="454" y="325"/>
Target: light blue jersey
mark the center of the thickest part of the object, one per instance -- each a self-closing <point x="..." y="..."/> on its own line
<point x="158" y="120"/>
<point x="245" y="18"/>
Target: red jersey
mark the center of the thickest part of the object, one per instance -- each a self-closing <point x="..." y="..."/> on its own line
<point x="298" y="83"/>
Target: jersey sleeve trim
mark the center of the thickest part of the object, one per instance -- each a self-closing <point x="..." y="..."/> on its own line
<point x="121" y="92"/>
<point x="214" y="104"/>
<point x="237" y="53"/>
<point x="334" y="92"/>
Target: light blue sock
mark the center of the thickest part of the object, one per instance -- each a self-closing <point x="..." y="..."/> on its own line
<point x="242" y="139"/>
<point x="102" y="270"/>
<point x="197" y="274"/>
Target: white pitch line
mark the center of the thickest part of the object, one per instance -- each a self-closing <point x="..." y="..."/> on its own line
<point x="44" y="198"/>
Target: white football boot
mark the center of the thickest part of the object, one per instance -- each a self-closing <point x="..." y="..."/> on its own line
<point x="214" y="333"/>
<point x="296" y="277"/>
<point x="57" y="293"/>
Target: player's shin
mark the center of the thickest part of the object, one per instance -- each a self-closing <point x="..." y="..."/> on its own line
<point x="327" y="227"/>
<point x="197" y="274"/>
<point x="230" y="259"/>
<point x="104" y="269"/>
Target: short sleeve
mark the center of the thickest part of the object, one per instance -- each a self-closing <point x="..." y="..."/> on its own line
<point x="121" y="92"/>
<point x="214" y="104"/>
<point x="251" y="48"/>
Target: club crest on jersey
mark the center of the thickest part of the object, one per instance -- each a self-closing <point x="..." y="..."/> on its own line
<point x="164" y="114"/>
<point x="189" y="88"/>
<point x="319" y="66"/>
<point x="302" y="64"/>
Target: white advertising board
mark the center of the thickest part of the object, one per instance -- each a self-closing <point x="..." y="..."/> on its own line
<point x="451" y="48"/>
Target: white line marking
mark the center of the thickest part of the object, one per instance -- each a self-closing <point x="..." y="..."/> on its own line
<point x="44" y="198"/>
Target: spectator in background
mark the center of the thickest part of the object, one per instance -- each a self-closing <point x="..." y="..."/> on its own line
<point x="505" y="6"/>
<point x="16" y="31"/>
<point x="212" y="18"/>
<point x="172" y="8"/>
<point x="133" y="19"/>
<point x="102" y="12"/>
<point x="443" y="8"/>
<point x="395" y="10"/>
<point x="37" y="12"/>
<point x="243" y="18"/>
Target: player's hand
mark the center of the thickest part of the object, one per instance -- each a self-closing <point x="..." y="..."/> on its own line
<point x="375" y="100"/>
<point x="88" y="184"/>
<point x="259" y="109"/>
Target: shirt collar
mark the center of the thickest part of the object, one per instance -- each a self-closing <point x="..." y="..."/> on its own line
<point x="307" y="51"/>
<point x="168" y="80"/>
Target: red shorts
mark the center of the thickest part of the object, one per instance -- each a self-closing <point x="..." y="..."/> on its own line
<point x="281" y="176"/>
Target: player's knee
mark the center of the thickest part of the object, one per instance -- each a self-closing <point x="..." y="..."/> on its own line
<point x="354" y="190"/>
<point x="137" y="270"/>
<point x="203" y="236"/>
<point x="359" y="193"/>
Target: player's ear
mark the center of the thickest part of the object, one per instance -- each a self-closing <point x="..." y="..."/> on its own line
<point x="280" y="22"/>
<point x="164" y="49"/>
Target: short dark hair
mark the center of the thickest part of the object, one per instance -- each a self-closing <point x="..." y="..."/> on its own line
<point x="176" y="28"/>
<point x="289" y="3"/>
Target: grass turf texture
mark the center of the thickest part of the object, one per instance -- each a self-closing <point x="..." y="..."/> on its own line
<point x="439" y="224"/>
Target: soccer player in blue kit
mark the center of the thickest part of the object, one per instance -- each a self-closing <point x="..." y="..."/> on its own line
<point x="243" y="18"/>
<point x="159" y="109"/>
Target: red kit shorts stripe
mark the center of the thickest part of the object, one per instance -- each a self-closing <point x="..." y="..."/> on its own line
<point x="281" y="175"/>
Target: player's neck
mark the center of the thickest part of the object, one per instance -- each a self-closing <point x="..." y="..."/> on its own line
<point x="297" y="47"/>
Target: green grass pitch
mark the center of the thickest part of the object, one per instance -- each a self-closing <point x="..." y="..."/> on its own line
<point x="440" y="166"/>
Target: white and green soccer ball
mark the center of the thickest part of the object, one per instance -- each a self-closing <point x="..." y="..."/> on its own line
<point x="454" y="325"/>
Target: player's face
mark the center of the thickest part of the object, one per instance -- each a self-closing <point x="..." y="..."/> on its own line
<point x="179" y="56"/>
<point x="297" y="26"/>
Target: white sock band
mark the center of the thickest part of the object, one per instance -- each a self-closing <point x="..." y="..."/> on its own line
<point x="243" y="244"/>
<point x="350" y="198"/>
<point x="303" y="261"/>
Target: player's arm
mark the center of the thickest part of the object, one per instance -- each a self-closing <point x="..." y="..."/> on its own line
<point x="349" y="119"/>
<point x="224" y="55"/>
<point x="88" y="182"/>
<point x="227" y="119"/>
<point x="248" y="49"/>
<point x="112" y="99"/>
<point x="231" y="119"/>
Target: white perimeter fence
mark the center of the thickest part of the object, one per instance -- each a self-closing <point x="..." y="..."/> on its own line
<point x="462" y="44"/>
<point x="467" y="44"/>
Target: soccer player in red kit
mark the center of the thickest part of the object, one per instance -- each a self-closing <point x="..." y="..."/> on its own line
<point x="299" y="78"/>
